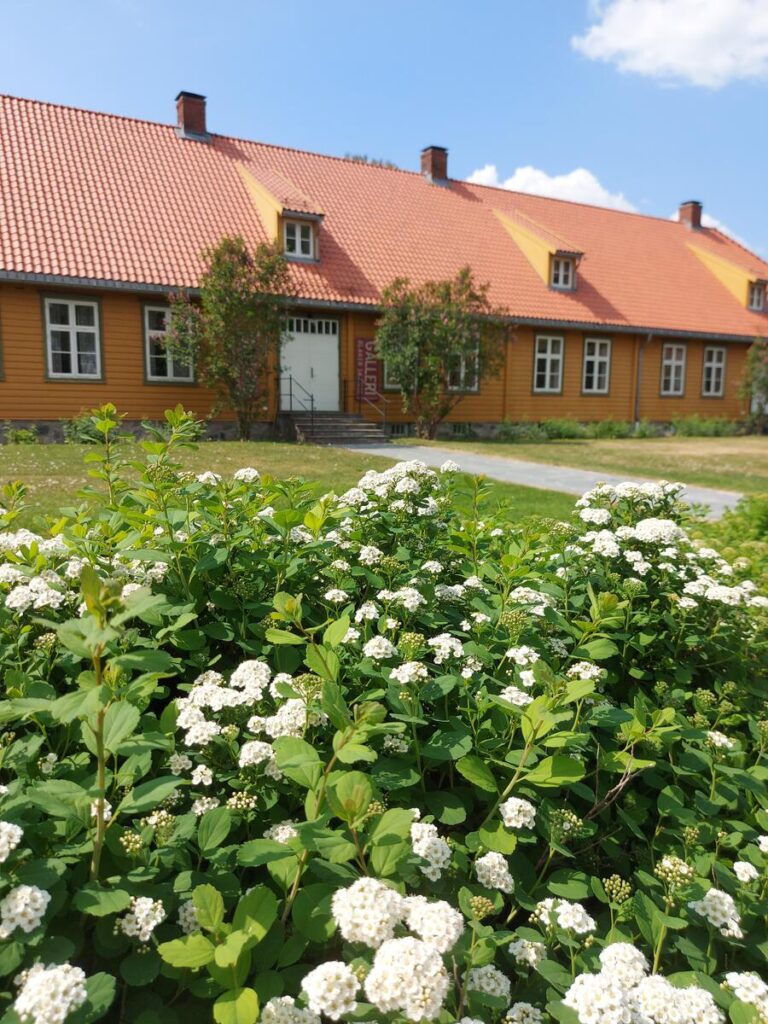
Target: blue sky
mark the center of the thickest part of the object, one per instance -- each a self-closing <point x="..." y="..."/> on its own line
<point x="657" y="101"/>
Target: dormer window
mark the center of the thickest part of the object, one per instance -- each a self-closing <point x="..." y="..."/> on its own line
<point x="756" y="299"/>
<point x="563" y="273"/>
<point x="299" y="239"/>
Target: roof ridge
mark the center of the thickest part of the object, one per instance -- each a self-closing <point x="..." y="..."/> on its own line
<point x="214" y="135"/>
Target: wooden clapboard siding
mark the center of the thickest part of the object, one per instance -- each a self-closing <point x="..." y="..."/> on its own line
<point x="27" y="394"/>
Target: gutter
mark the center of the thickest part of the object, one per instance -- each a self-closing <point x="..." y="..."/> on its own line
<point x="23" y="277"/>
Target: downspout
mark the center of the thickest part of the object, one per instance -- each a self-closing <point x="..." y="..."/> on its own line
<point x="639" y="376"/>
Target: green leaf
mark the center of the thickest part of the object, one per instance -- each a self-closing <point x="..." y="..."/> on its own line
<point x="448" y="744"/>
<point x="334" y="705"/>
<point x="120" y="721"/>
<point x="238" y="1006"/>
<point x="282" y="636"/>
<point x="558" y="770"/>
<point x="390" y="841"/>
<point x="256" y="912"/>
<point x="497" y="838"/>
<point x="477" y="772"/>
<point x="92" y="899"/>
<point x="228" y="953"/>
<point x="323" y="661"/>
<point x="311" y="912"/>
<point x="263" y="851"/>
<point x="336" y="632"/>
<point x="601" y="649"/>
<point x="213" y="829"/>
<point x="100" y="994"/>
<point x="140" y="969"/>
<point x="209" y="905"/>
<point x="148" y="795"/>
<point x="148" y="660"/>
<point x="299" y="761"/>
<point x="349" y="796"/>
<point x="192" y="951"/>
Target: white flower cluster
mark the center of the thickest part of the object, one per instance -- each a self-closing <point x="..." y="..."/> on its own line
<point x="623" y="993"/>
<point x="534" y="599"/>
<point x="436" y="923"/>
<point x="445" y="647"/>
<point x="522" y="656"/>
<point x="523" y="1013"/>
<point x="47" y="995"/>
<point x="426" y="843"/>
<point x="331" y="989"/>
<point x="719" y="909"/>
<point x="409" y="672"/>
<point x="517" y="813"/>
<point x="367" y="911"/>
<point x="256" y="752"/>
<point x="283" y="1010"/>
<point x="749" y="988"/>
<point x="490" y="980"/>
<point x="22" y="907"/>
<point x="10" y="837"/>
<point x="379" y="648"/>
<point x="142" y="919"/>
<point x="408" y="976"/>
<point x="492" y="871"/>
<point x="37" y="594"/>
<point x="247" y="475"/>
<point x="745" y="872"/>
<point x="585" y="670"/>
<point x="408" y="598"/>
<point x="210" y="692"/>
<point x="527" y="952"/>
<point x="281" y="832"/>
<point x="188" y="917"/>
<point x="571" y="917"/>
<point x="514" y="695"/>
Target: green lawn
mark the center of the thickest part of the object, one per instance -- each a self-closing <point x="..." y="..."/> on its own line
<point x="730" y="463"/>
<point x="54" y="473"/>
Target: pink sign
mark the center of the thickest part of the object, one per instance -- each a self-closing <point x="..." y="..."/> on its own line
<point x="368" y="369"/>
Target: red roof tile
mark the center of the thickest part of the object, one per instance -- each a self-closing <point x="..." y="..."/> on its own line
<point x="89" y="195"/>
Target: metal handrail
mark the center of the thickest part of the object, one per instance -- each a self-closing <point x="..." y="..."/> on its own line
<point x="380" y="409"/>
<point x="307" y="403"/>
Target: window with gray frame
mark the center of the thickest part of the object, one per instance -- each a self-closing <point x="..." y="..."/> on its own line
<point x="713" y="374"/>
<point x="597" y="366"/>
<point x="548" y="364"/>
<point x="73" y="346"/>
<point x="162" y="365"/>
<point x="673" y="370"/>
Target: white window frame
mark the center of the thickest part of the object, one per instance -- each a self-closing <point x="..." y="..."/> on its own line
<point x="467" y="364"/>
<point x="171" y="377"/>
<point x="72" y="329"/>
<point x="301" y="229"/>
<point x="598" y="358"/>
<point x="715" y="360"/>
<point x="756" y="298"/>
<point x="550" y="357"/>
<point x="558" y="275"/>
<point x="673" y="355"/>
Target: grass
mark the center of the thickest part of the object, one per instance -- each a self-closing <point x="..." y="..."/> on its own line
<point x="55" y="473"/>
<point x="728" y="463"/>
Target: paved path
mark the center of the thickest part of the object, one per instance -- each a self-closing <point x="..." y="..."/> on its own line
<point x="540" y="474"/>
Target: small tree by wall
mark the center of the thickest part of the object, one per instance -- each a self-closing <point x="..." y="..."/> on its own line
<point x="754" y="383"/>
<point x="439" y="341"/>
<point x="233" y="334"/>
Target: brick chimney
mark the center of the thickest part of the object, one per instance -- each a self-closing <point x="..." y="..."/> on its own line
<point x="690" y="214"/>
<point x="434" y="164"/>
<point x="190" y="116"/>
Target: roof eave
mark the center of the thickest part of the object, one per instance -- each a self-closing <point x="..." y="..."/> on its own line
<point x="25" y="277"/>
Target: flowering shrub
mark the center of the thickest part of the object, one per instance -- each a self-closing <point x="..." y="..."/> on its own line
<point x="380" y="756"/>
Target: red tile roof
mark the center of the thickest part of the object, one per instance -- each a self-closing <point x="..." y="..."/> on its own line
<point x="108" y="198"/>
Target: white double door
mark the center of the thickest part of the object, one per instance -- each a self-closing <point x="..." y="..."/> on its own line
<point x="310" y="356"/>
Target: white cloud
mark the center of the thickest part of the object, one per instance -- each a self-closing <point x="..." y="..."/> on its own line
<point x="701" y="42"/>
<point x="580" y="185"/>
